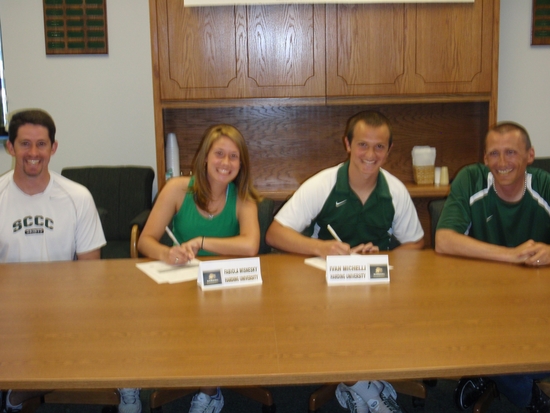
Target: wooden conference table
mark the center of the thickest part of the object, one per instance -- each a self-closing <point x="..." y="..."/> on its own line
<point x="106" y="324"/>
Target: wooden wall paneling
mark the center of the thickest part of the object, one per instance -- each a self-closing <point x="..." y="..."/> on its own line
<point x="286" y="144"/>
<point x="289" y="144"/>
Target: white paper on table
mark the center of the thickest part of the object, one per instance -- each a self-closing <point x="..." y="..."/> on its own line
<point x="165" y="273"/>
<point x="317" y="262"/>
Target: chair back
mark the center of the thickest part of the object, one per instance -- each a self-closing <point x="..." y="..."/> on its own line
<point x="120" y="193"/>
<point x="265" y="218"/>
<point x="542" y="163"/>
<point x="435" y="207"/>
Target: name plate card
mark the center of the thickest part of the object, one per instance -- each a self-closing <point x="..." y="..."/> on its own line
<point x="240" y="272"/>
<point x="357" y="269"/>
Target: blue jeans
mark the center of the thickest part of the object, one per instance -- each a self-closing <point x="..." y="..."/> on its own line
<point x="518" y="387"/>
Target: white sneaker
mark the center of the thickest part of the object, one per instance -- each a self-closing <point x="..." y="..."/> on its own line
<point x="349" y="398"/>
<point x="388" y="390"/>
<point x="203" y="403"/>
<point x="129" y="401"/>
<point x="386" y="401"/>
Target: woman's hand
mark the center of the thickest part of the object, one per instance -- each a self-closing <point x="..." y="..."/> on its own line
<point x="182" y="254"/>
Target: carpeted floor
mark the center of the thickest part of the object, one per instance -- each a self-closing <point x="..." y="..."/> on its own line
<point x="294" y="399"/>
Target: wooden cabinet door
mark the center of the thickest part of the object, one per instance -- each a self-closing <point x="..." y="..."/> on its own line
<point x="422" y="48"/>
<point x="240" y="51"/>
<point x="367" y="47"/>
<point x="454" y="47"/>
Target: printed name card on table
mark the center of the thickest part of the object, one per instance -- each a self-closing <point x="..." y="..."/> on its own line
<point x="357" y="269"/>
<point x="239" y="272"/>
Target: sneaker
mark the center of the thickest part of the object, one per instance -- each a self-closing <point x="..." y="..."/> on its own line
<point x="350" y="399"/>
<point x="129" y="401"/>
<point x="469" y="390"/>
<point x="388" y="390"/>
<point x="385" y="402"/>
<point x="203" y="403"/>
<point x="540" y="402"/>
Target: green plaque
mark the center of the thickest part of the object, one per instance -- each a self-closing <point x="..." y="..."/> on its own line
<point x="75" y="26"/>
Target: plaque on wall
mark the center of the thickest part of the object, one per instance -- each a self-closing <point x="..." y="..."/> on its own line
<point x="540" y="28"/>
<point x="75" y="26"/>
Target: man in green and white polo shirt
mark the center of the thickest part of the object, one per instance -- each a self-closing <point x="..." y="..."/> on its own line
<point x="368" y="208"/>
<point x="500" y="211"/>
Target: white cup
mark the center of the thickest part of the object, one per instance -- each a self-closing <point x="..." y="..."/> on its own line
<point x="437" y="176"/>
<point x="172" y="156"/>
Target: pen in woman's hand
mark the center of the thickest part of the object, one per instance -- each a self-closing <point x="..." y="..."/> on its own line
<point x="172" y="237"/>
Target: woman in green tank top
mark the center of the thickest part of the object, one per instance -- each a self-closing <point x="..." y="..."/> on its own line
<point x="213" y="212"/>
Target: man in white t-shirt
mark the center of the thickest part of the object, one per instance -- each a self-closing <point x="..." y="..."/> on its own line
<point x="45" y="216"/>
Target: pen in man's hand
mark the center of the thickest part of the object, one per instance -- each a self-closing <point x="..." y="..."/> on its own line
<point x="171" y="235"/>
<point x="333" y="233"/>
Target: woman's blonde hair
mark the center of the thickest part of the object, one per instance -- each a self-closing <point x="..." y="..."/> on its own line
<point x="201" y="187"/>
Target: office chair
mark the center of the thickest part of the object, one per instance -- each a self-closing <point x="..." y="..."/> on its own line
<point x="109" y="398"/>
<point x="491" y="393"/>
<point x="121" y="193"/>
<point x="542" y="163"/>
<point x="435" y="207"/>
<point x="265" y="218"/>
<point x="259" y="394"/>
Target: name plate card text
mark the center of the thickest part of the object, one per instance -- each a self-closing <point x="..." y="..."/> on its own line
<point x="357" y="269"/>
<point x="240" y="272"/>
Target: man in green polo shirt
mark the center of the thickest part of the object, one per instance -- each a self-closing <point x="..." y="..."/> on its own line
<point x="500" y="211"/>
<point x="368" y="209"/>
